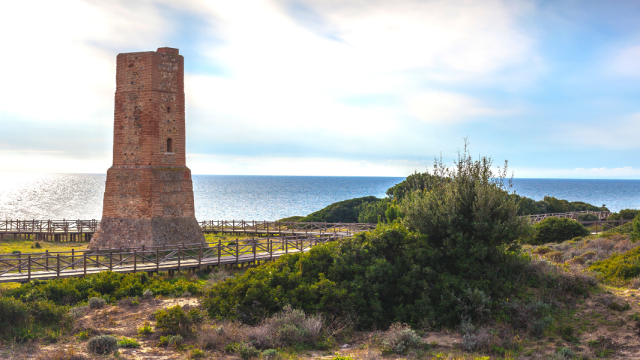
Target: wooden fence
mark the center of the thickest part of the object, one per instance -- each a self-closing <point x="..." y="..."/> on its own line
<point x="602" y="215"/>
<point x="23" y="267"/>
<point x="73" y="230"/>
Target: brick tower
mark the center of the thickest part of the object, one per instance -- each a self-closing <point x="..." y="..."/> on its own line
<point x="148" y="198"/>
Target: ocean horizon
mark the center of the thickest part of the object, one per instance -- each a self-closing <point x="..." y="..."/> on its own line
<point x="267" y="197"/>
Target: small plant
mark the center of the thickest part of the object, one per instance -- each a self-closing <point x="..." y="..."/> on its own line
<point x="171" y="340"/>
<point x="83" y="335"/>
<point x="246" y="351"/>
<point x="147" y="294"/>
<point x="102" y="344"/>
<point x="145" y="329"/>
<point x="51" y="336"/>
<point x="197" y="354"/>
<point x="614" y="305"/>
<point x="340" y="357"/>
<point x="231" y="347"/>
<point x="565" y="353"/>
<point x="175" y="320"/>
<point x="541" y="250"/>
<point x="37" y="245"/>
<point x="15" y="252"/>
<point x="400" y="338"/>
<point x="270" y="354"/>
<point x="97" y="303"/>
<point x="128" y="343"/>
<point x="78" y="312"/>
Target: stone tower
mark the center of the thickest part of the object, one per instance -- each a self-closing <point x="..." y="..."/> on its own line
<point x="148" y="199"/>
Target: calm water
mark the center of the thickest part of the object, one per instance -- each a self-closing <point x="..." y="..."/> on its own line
<point x="79" y="196"/>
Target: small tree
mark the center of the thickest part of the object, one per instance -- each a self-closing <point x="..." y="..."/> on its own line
<point x="468" y="215"/>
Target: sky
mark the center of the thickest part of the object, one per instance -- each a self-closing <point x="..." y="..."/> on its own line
<point x="340" y="88"/>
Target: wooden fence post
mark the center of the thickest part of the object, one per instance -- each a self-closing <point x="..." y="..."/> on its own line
<point x="179" y="250"/>
<point x="135" y="261"/>
<point x="111" y="260"/>
<point x="270" y="249"/>
<point x="29" y="269"/>
<point x="73" y="259"/>
<point x="20" y="262"/>
<point x="84" y="265"/>
<point x="254" y="251"/>
<point x="157" y="261"/>
<point x="46" y="260"/>
<point x="219" y="252"/>
<point x="286" y="245"/>
<point x="58" y="266"/>
<point x="237" y="253"/>
<point x="200" y="257"/>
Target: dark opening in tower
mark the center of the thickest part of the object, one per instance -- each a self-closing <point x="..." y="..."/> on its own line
<point x="169" y="145"/>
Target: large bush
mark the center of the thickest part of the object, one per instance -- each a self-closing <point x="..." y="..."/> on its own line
<point x="557" y="230"/>
<point x="440" y="269"/>
<point x="343" y="211"/>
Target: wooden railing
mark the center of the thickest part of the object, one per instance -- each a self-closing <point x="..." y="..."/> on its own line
<point x="22" y="267"/>
<point x="228" y="226"/>
<point x="283" y="227"/>
<point x="602" y="215"/>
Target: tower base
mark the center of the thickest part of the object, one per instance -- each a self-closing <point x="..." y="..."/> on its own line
<point x="115" y="232"/>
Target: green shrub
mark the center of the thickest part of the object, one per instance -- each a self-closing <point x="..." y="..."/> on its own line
<point x="102" y="344"/>
<point x="128" y="343"/>
<point x="587" y="217"/>
<point x="628" y="214"/>
<point x="246" y="351"/>
<point x="398" y="273"/>
<point x="553" y="229"/>
<point x="83" y="335"/>
<point x="342" y="211"/>
<point x="400" y="338"/>
<point x="145" y="329"/>
<point x="171" y="340"/>
<point x="635" y="233"/>
<point x="22" y="321"/>
<point x="197" y="354"/>
<point x="175" y="320"/>
<point x="270" y="354"/>
<point x="97" y="303"/>
<point x="107" y="285"/>
<point x="291" y="218"/>
<point x="619" y="267"/>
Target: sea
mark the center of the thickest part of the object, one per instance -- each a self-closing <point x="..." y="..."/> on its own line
<point x="239" y="197"/>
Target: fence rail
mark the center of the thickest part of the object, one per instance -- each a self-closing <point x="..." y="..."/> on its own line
<point x="23" y="267"/>
<point x="602" y="215"/>
<point x="87" y="227"/>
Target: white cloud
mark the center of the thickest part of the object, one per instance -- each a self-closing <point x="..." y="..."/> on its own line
<point x="284" y="81"/>
<point x="445" y="108"/>
<point x="626" y="61"/>
<point x="611" y="133"/>
<point x="250" y="165"/>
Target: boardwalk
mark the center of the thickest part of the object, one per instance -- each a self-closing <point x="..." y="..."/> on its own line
<point x="82" y="230"/>
<point x="51" y="265"/>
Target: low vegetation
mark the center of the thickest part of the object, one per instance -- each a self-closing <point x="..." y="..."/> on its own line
<point x="452" y="271"/>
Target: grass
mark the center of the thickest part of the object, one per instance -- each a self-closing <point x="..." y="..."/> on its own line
<point x="8" y="245"/>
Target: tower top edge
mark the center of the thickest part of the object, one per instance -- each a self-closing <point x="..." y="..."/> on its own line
<point x="164" y="50"/>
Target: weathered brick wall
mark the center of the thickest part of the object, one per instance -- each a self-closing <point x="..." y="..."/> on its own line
<point x="147" y="180"/>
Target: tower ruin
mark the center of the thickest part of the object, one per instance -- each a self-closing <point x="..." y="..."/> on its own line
<point x="148" y="198"/>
